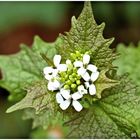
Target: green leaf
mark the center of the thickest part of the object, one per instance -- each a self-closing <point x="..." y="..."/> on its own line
<point x="44" y="119"/>
<point x="86" y="35"/>
<point x="103" y="82"/>
<point x="116" y="115"/>
<point x="129" y="61"/>
<point x="25" y="67"/>
<point x="37" y="97"/>
<point x="40" y="106"/>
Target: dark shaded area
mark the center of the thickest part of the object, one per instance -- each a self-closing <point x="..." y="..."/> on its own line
<point x="12" y="125"/>
<point x="3" y="92"/>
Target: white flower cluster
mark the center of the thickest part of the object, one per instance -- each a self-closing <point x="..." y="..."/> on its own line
<point x="72" y="80"/>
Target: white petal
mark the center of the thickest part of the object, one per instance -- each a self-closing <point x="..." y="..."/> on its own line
<point x="86" y="59"/>
<point x="87" y="84"/>
<point x="64" y="105"/>
<point x="86" y="76"/>
<point x="68" y="62"/>
<point x="56" y="60"/>
<point x="47" y="70"/>
<point x="78" y="64"/>
<point x="51" y="86"/>
<point x="48" y="76"/>
<point x="56" y="84"/>
<point x="92" y="89"/>
<point x="78" y="107"/>
<point x="76" y="96"/>
<point x="81" y="87"/>
<point x="94" y="76"/>
<point x="65" y="93"/>
<point x="59" y="98"/>
<point x="62" y="67"/>
<point x="92" y="68"/>
<point x="81" y="71"/>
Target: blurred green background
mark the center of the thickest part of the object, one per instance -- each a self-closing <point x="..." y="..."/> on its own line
<point x="21" y="21"/>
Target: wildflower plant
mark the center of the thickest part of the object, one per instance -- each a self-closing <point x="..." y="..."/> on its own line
<point x="73" y="80"/>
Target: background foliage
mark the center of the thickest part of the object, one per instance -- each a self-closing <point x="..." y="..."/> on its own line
<point x="129" y="61"/>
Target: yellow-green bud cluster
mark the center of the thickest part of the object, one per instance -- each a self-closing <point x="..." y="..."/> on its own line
<point x="70" y="78"/>
<point x="76" y="56"/>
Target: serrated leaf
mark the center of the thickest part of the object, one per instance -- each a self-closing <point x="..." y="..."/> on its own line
<point x="103" y="82"/>
<point x="86" y="35"/>
<point x="25" y="67"/>
<point x="40" y="106"/>
<point x="37" y="97"/>
<point x="116" y="115"/>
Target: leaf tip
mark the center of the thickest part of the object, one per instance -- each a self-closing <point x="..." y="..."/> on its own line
<point x="15" y="107"/>
<point x="87" y="7"/>
<point x="103" y="25"/>
<point x="36" y="38"/>
<point x="9" y="110"/>
<point x="87" y="4"/>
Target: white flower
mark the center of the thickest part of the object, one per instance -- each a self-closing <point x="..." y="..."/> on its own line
<point x="50" y="72"/>
<point x="81" y="74"/>
<point x="64" y="99"/>
<point x="84" y="66"/>
<point x="91" y="87"/>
